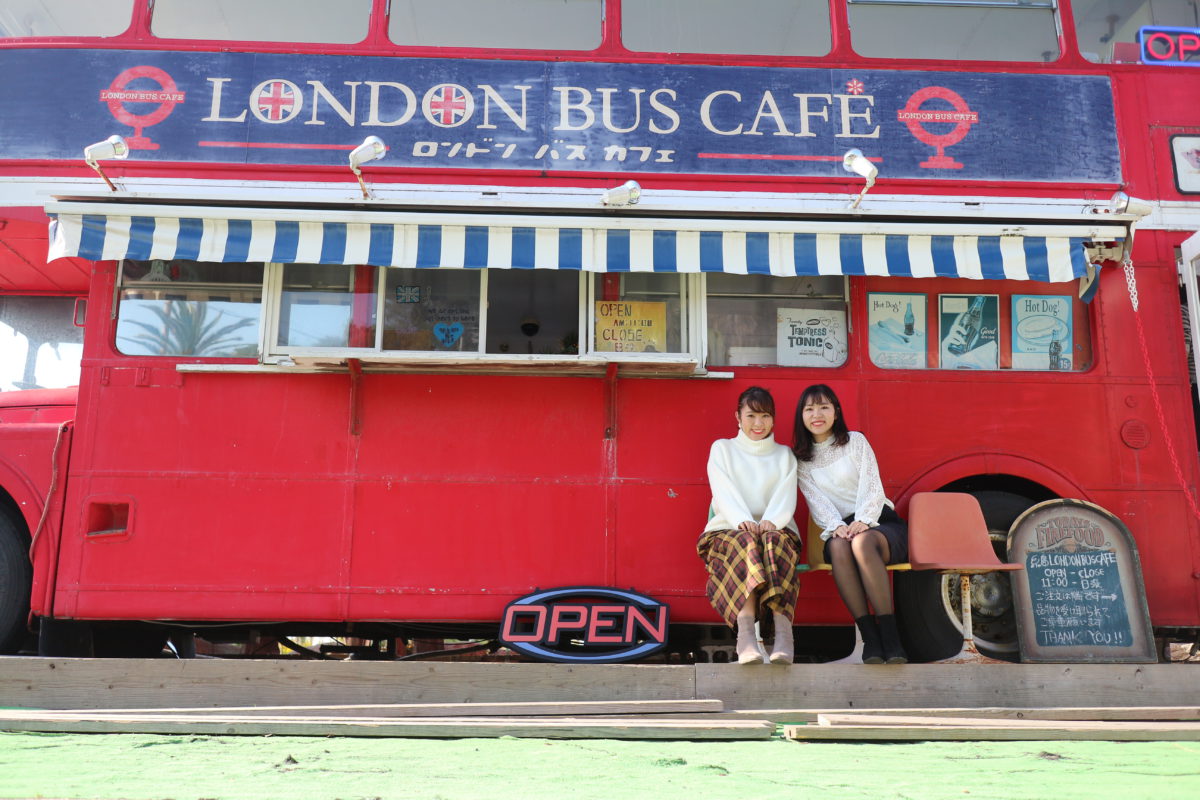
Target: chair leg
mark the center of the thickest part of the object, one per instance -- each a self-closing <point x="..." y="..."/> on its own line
<point x="969" y="654"/>
<point x="855" y="656"/>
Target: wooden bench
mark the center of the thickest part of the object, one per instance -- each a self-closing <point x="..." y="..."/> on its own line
<point x="946" y="533"/>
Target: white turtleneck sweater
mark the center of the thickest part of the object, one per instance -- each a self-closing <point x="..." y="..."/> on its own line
<point x="752" y="481"/>
<point x="840" y="481"/>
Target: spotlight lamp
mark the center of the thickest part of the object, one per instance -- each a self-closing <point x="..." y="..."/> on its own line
<point x="112" y="147"/>
<point x="1122" y="203"/>
<point x="627" y="194"/>
<point x="854" y="161"/>
<point x="371" y="149"/>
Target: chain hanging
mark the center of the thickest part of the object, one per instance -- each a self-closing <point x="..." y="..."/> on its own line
<point x="1131" y="282"/>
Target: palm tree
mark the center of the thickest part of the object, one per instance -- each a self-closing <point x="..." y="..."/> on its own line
<point x="189" y="328"/>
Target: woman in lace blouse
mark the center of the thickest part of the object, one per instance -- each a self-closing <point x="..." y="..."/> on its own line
<point x="839" y="479"/>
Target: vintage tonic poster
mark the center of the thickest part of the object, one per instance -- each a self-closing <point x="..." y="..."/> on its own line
<point x="810" y="337"/>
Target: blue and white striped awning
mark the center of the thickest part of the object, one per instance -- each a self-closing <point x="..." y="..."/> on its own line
<point x="784" y="248"/>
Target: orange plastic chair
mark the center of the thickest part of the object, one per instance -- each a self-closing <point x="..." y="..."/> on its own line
<point x="947" y="533"/>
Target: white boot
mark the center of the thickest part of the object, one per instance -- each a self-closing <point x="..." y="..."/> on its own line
<point x="784" y="651"/>
<point x="748" y="650"/>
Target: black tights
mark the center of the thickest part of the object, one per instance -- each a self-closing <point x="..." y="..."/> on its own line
<point x="860" y="572"/>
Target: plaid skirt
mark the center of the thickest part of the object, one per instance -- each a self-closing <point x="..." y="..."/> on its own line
<point x="739" y="562"/>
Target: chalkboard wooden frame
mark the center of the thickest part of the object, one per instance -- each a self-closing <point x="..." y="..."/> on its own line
<point x="1080" y="598"/>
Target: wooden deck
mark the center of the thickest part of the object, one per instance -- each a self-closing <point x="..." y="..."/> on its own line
<point x="46" y="683"/>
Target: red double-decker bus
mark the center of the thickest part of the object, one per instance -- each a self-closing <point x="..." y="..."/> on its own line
<point x="398" y="311"/>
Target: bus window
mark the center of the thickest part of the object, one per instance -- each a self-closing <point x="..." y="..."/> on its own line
<point x="324" y="21"/>
<point x="1026" y="326"/>
<point x="765" y="320"/>
<point x="20" y="18"/>
<point x="959" y="30"/>
<point x="41" y="346"/>
<point x="431" y="309"/>
<point x="638" y="313"/>
<point x="751" y="27"/>
<point x="515" y="24"/>
<point x="1108" y="29"/>
<point x="533" y="311"/>
<point x="189" y="308"/>
<point x="327" y="305"/>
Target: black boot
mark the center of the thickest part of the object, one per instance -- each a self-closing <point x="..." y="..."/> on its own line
<point x="872" y="648"/>
<point x="893" y="651"/>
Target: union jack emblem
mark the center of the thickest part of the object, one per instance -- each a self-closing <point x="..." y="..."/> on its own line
<point x="408" y="294"/>
<point x="276" y="100"/>
<point x="451" y="104"/>
<point x="855" y="87"/>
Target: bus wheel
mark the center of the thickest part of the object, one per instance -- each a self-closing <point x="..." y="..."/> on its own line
<point x="928" y="605"/>
<point x="16" y="578"/>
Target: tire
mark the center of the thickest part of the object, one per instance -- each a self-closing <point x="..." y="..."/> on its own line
<point x="927" y="603"/>
<point x="16" y="580"/>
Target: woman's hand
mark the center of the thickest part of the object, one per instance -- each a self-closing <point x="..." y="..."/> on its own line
<point x="766" y="525"/>
<point x="857" y="527"/>
<point x="750" y="525"/>
<point x="842" y="532"/>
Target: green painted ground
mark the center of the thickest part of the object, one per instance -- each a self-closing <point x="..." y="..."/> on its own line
<point x="142" y="767"/>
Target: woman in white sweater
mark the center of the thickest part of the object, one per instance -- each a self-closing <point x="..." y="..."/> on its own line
<point x="839" y="479"/>
<point x="750" y="545"/>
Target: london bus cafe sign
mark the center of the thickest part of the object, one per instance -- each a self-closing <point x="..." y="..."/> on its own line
<point x="287" y="109"/>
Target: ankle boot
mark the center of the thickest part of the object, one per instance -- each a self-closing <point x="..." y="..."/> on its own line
<point x="748" y="649"/>
<point x="893" y="651"/>
<point x="784" y="651"/>
<point x="872" y="648"/>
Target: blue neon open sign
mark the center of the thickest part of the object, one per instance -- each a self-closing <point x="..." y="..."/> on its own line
<point x="1171" y="46"/>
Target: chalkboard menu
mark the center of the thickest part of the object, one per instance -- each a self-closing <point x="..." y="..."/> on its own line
<point x="1080" y="597"/>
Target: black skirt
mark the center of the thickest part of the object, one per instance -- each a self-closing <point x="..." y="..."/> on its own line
<point x="894" y="529"/>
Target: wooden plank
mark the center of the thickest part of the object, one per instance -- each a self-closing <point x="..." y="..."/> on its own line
<point x="1143" y="714"/>
<point x="390" y="710"/>
<point x="431" y="727"/>
<point x="142" y="683"/>
<point x="200" y="683"/>
<point x="985" y="722"/>
<point x="784" y="715"/>
<point x="840" y="686"/>
<point x="1066" y="731"/>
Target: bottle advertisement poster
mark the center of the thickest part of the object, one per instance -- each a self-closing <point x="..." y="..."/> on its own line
<point x="897" y="330"/>
<point x="810" y="337"/>
<point x="969" y="331"/>
<point x="1041" y="332"/>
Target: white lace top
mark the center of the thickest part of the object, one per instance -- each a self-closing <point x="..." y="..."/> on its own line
<point x="841" y="481"/>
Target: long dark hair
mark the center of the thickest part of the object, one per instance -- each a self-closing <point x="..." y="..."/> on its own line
<point x="803" y="448"/>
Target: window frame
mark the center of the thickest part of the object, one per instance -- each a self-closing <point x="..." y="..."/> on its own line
<point x="1065" y="49"/>
<point x="691" y="313"/>
<point x="846" y="298"/>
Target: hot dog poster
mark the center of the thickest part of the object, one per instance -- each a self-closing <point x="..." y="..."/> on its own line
<point x="1042" y="332"/>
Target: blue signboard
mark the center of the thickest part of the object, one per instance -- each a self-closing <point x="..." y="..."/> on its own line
<point x="558" y="116"/>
